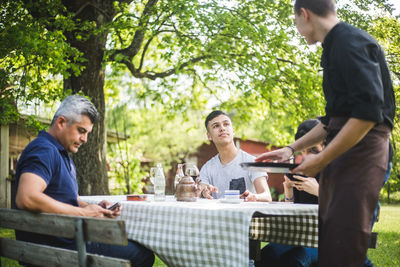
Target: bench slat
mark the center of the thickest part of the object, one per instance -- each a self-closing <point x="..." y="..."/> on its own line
<point x="51" y="256"/>
<point x="107" y="231"/>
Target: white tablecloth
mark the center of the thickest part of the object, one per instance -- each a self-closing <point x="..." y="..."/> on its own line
<point x="202" y="233"/>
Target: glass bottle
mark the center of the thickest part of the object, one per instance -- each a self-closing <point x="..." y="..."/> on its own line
<point x="179" y="175"/>
<point x="159" y="184"/>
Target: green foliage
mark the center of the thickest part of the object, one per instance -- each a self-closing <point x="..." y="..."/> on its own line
<point x="253" y="64"/>
<point x="34" y="125"/>
<point x="155" y="134"/>
<point x="33" y="55"/>
<point x="178" y="59"/>
<point x="275" y="195"/>
<point x="124" y="161"/>
<point x="387" y="252"/>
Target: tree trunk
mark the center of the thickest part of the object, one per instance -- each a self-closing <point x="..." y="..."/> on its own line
<point x="91" y="158"/>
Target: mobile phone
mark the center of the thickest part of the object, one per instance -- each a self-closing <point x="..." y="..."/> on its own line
<point x="290" y="176"/>
<point x="114" y="206"/>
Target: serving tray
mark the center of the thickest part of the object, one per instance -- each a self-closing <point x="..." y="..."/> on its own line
<point x="271" y="167"/>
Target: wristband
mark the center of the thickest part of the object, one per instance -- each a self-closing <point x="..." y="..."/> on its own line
<point x="289" y="199"/>
<point x="291" y="148"/>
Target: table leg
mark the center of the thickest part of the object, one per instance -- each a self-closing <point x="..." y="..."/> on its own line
<point x="254" y="249"/>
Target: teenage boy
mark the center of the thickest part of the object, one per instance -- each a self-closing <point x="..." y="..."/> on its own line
<point x="223" y="172"/>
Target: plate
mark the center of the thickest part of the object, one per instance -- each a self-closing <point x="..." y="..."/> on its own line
<point x="272" y="167"/>
<point x="231" y="201"/>
<point x="136" y="197"/>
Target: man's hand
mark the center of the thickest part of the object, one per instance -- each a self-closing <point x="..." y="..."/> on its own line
<point x="352" y="132"/>
<point x="116" y="212"/>
<point x="311" y="165"/>
<point x="248" y="196"/>
<point x="279" y="154"/>
<point x="206" y="190"/>
<point x="95" y="210"/>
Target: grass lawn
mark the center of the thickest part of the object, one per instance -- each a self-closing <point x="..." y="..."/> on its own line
<point x="386" y="254"/>
<point x="388" y="251"/>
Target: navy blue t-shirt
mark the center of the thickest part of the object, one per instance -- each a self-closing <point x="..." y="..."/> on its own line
<point x="47" y="158"/>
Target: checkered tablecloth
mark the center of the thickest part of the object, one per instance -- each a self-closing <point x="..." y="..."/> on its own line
<point x="299" y="230"/>
<point x="210" y="233"/>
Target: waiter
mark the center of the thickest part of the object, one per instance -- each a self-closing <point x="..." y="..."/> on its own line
<point x="360" y="108"/>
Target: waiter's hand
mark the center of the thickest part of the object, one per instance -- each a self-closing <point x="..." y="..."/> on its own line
<point x="312" y="165"/>
<point x="279" y="154"/>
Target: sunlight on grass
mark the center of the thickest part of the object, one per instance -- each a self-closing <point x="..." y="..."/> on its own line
<point x="388" y="251"/>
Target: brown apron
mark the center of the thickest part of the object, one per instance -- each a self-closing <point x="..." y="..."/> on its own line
<point x="348" y="194"/>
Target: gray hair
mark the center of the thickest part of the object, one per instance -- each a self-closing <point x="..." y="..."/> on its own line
<point x="73" y="107"/>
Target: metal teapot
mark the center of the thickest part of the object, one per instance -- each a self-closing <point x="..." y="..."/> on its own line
<point x="187" y="189"/>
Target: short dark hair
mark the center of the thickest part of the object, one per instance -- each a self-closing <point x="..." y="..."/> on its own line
<point x="305" y="127"/>
<point x="213" y="115"/>
<point x="318" y="7"/>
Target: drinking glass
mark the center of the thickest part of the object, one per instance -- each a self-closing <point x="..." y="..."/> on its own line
<point x="152" y="174"/>
<point x="191" y="170"/>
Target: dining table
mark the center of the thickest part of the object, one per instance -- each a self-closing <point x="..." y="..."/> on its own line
<point x="213" y="232"/>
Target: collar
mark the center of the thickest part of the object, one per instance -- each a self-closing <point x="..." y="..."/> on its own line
<point x="329" y="37"/>
<point x="52" y="140"/>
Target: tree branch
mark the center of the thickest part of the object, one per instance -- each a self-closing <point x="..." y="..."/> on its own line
<point x="287" y="61"/>
<point x="154" y="75"/>
<point x="146" y="46"/>
<point x="137" y="40"/>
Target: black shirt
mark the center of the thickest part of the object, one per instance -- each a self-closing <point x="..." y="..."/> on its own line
<point x="356" y="78"/>
<point x="303" y="197"/>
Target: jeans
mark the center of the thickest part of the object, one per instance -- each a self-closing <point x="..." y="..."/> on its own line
<point x="136" y="253"/>
<point x="285" y="255"/>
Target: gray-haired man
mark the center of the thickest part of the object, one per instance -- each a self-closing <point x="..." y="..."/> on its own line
<point x="46" y="179"/>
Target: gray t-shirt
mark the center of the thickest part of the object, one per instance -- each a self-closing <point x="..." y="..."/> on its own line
<point x="230" y="176"/>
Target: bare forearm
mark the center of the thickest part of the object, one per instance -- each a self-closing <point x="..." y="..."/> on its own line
<point x="42" y="203"/>
<point x="313" y="137"/>
<point x="288" y="194"/>
<point x="265" y="196"/>
<point x="30" y="196"/>
<point x="82" y="203"/>
<point x="352" y="133"/>
<point x="262" y="190"/>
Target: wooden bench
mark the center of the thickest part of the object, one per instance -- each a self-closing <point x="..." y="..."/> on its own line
<point x="82" y="229"/>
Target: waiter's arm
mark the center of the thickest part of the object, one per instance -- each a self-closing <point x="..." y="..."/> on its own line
<point x="352" y="132"/>
<point x="315" y="136"/>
